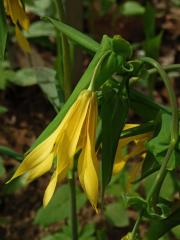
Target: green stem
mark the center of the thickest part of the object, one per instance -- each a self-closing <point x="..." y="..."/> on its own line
<point x="73" y="212"/>
<point x="168" y="68"/>
<point x="96" y="69"/>
<point x="174" y="131"/>
<point x="136" y="225"/>
<point x="67" y="81"/>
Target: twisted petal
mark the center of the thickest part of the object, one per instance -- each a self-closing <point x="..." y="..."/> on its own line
<point x="139" y="149"/>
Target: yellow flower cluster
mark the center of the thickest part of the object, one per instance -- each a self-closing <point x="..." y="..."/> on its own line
<point x="76" y="132"/>
<point x="15" y="10"/>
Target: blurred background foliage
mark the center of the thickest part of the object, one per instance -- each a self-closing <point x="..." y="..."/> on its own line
<point x="29" y="100"/>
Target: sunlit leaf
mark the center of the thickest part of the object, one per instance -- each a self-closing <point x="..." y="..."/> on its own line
<point x="3" y="31"/>
<point x="132" y="8"/>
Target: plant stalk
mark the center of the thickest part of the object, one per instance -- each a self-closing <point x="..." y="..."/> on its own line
<point x="136" y="225"/>
<point x="64" y="54"/>
<point x="73" y="212"/>
<point x="154" y="192"/>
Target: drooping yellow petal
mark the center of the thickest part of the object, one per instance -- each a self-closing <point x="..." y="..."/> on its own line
<point x="88" y="169"/>
<point x="24" y="44"/>
<point x="15" y="10"/>
<point x="73" y="122"/>
<point x="56" y="177"/>
<point x="40" y="169"/>
<point x="88" y="173"/>
<point x="139" y="148"/>
<point x="37" y="156"/>
<point x="50" y="188"/>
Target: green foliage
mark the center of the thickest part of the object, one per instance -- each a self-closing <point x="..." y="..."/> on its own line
<point x="117" y="215"/>
<point x="86" y="233"/>
<point x="106" y="5"/>
<point x="10" y="153"/>
<point x="3" y="31"/>
<point x="2" y="168"/>
<point x="114" y="110"/>
<point x="152" y="41"/>
<point x="3" y="109"/>
<point x="149" y="21"/>
<point x="58" y="208"/>
<point x="132" y="8"/>
<point x="152" y="45"/>
<point x="75" y="35"/>
<point x="40" y="7"/>
<point x="40" y="29"/>
<point x="159" y="144"/>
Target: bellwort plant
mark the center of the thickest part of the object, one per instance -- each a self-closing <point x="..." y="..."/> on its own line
<point x="92" y="136"/>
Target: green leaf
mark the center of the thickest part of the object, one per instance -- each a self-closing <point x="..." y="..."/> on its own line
<point x="3" y="109"/>
<point x="118" y="184"/>
<point x="136" y="202"/>
<point x="159" y="145"/>
<point x="2" y="168"/>
<point x="57" y="236"/>
<point x="59" y="207"/>
<point x="40" y="29"/>
<point x="87" y="231"/>
<point x="132" y="8"/>
<point x="152" y="46"/>
<point x="44" y="77"/>
<point x="46" y="81"/>
<point x="75" y="35"/>
<point x="6" y="75"/>
<point x="176" y="231"/>
<point x="106" y="5"/>
<point x="114" y="110"/>
<point x="159" y="228"/>
<point x="117" y="214"/>
<point x="149" y="21"/>
<point x="40" y="7"/>
<point x="10" y="153"/>
<point x="24" y="77"/>
<point x="167" y="188"/>
<point x="121" y="46"/>
<point x="3" y="31"/>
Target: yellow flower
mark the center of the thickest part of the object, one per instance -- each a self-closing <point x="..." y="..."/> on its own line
<point x="76" y="132"/>
<point x="139" y="148"/>
<point x="18" y="16"/>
